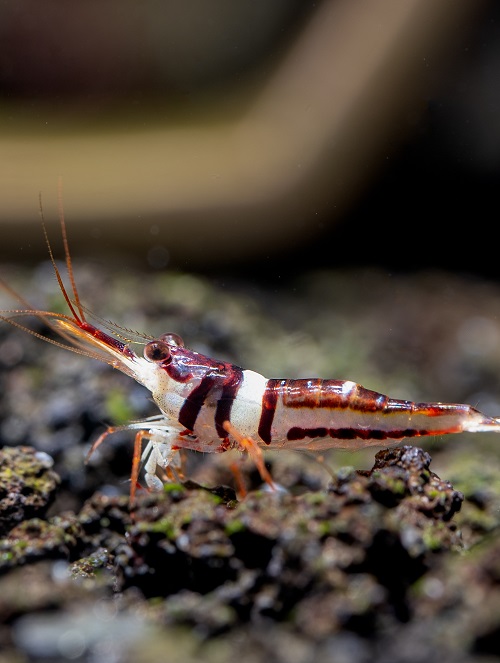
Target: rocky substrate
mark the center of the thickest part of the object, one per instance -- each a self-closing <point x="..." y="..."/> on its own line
<point x="389" y="565"/>
<point x="371" y="568"/>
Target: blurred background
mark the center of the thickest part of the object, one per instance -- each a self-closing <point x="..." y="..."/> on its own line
<point x="302" y="188"/>
<point x="263" y="136"/>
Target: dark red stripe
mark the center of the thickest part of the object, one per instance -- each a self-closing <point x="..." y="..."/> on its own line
<point x="269" y="401"/>
<point x="316" y="393"/>
<point x="218" y="382"/>
<point x="194" y="402"/>
<point x="329" y="394"/>
<point x="229" y="392"/>
<point x="301" y="433"/>
<point x="297" y="433"/>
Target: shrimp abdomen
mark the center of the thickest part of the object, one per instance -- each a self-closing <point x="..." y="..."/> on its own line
<point x="319" y="414"/>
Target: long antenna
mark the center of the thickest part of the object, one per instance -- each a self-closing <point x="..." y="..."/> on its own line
<point x="67" y="254"/>
<point x="79" y="318"/>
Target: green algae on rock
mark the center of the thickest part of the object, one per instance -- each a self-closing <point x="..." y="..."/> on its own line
<point x="340" y="553"/>
<point x="27" y="485"/>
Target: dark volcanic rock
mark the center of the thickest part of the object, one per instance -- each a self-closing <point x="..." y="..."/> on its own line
<point x="27" y="485"/>
<point x="324" y="560"/>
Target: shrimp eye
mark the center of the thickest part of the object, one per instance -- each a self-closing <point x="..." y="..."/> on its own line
<point x="157" y="351"/>
<point x="172" y="339"/>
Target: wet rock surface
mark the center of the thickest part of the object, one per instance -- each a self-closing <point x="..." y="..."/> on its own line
<point x="374" y="555"/>
<point x="27" y="485"/>
<point x="385" y="564"/>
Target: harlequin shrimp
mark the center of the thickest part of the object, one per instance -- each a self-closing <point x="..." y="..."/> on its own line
<point x="209" y="405"/>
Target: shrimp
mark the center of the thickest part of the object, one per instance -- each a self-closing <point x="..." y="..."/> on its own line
<point x="209" y="405"/>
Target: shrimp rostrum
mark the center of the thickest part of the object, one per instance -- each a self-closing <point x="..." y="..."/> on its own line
<point x="214" y="406"/>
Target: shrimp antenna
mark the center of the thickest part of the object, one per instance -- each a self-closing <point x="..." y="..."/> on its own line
<point x="124" y="333"/>
<point x="80" y="316"/>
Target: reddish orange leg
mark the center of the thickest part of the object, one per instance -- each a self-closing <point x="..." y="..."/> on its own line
<point x="99" y="441"/>
<point x="253" y="450"/>
<point x="174" y="474"/>
<point x="136" y="464"/>
<point x="136" y="459"/>
<point x="241" y="488"/>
